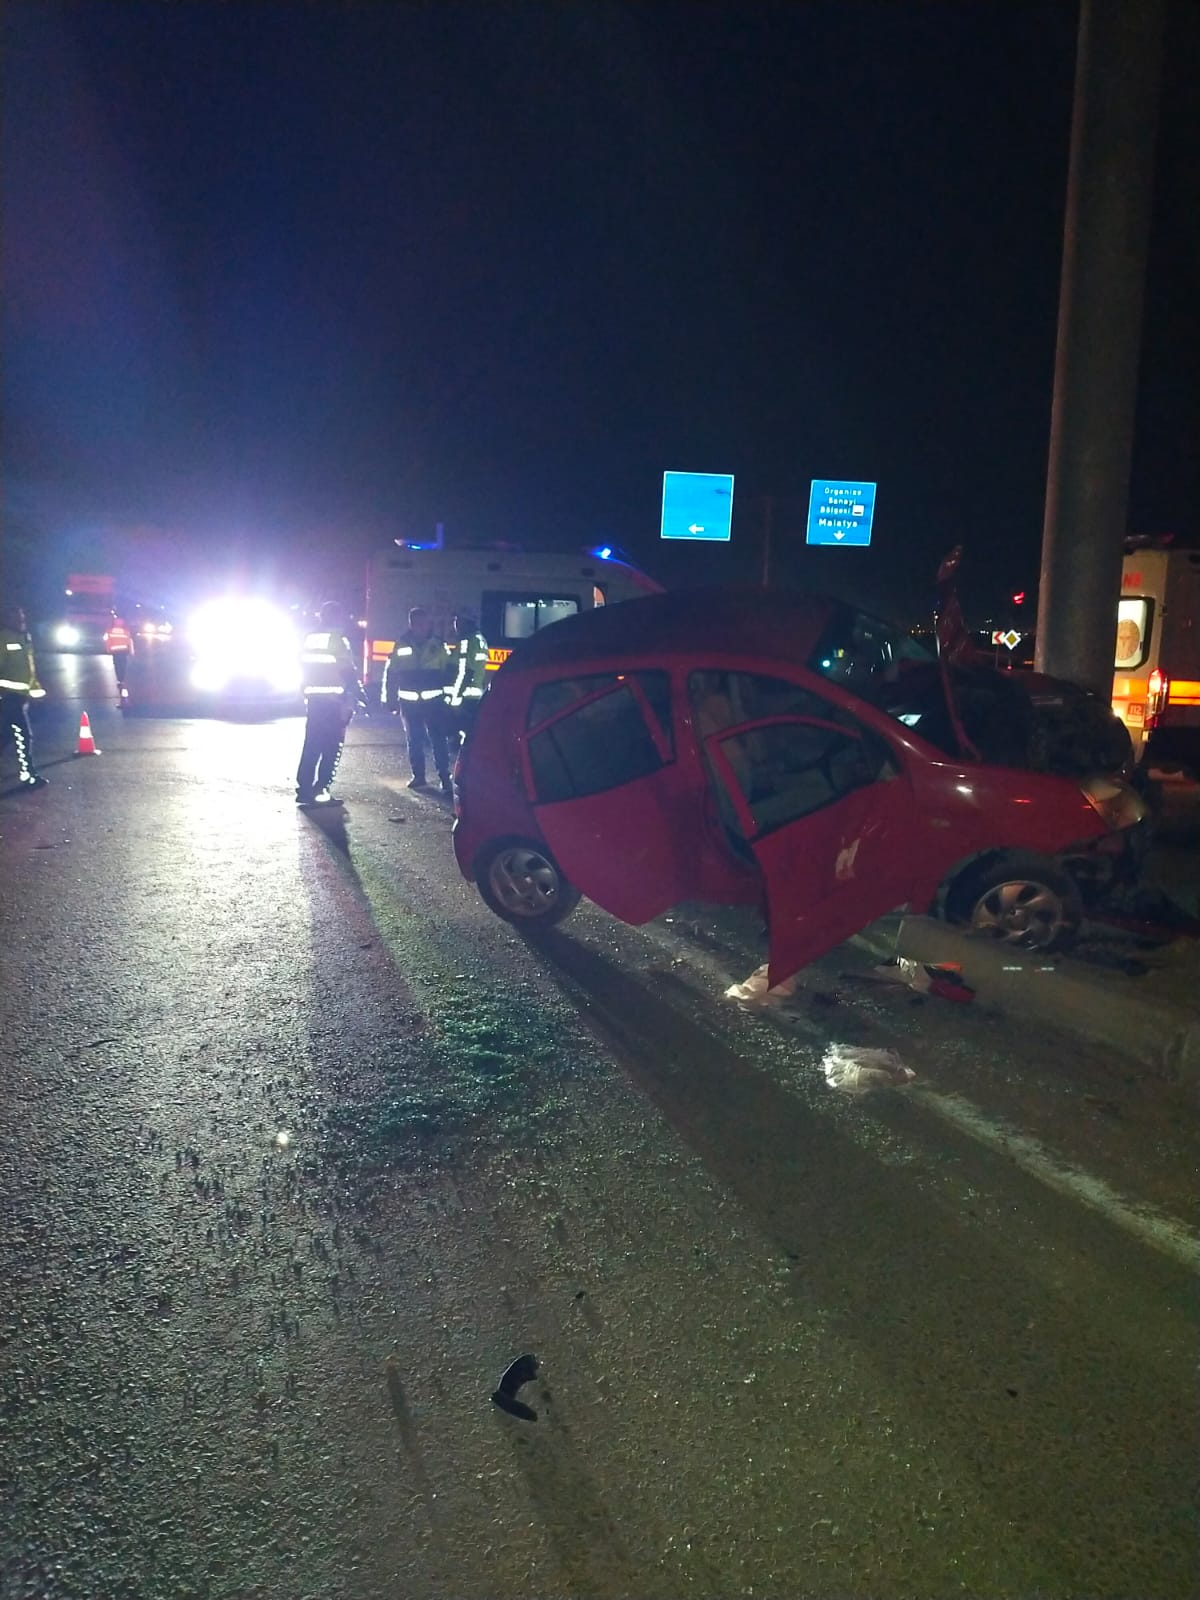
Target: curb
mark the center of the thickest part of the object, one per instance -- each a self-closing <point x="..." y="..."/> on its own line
<point x="1157" y="1033"/>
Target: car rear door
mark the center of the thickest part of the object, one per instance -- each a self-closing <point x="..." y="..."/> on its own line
<point x="825" y="805"/>
<point x="601" y="773"/>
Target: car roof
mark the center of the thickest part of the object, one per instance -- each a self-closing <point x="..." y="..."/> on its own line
<point x="684" y="622"/>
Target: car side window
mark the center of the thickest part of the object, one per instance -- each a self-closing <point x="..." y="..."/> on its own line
<point x="720" y="699"/>
<point x="789" y="770"/>
<point x="596" y="733"/>
<point x="549" y="698"/>
<point x="784" y="770"/>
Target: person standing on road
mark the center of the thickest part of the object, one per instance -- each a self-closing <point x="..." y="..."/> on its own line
<point x="332" y="690"/>
<point x="18" y="686"/>
<point x="465" y="693"/>
<point x="119" y="643"/>
<point x="415" y="682"/>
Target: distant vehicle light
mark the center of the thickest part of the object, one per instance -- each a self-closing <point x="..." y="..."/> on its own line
<point x="66" y="634"/>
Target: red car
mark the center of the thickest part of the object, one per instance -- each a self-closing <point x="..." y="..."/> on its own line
<point x="721" y="748"/>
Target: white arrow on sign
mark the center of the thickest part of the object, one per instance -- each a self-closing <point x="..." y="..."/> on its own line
<point x="839" y="535"/>
<point x="695" y="527"/>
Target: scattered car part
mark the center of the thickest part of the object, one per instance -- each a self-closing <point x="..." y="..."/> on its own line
<point x="518" y="1373"/>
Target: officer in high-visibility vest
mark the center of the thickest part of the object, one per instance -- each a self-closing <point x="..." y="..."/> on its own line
<point x="119" y="643"/>
<point x="332" y="691"/>
<point x="18" y="686"/>
<point x="470" y="656"/>
<point x="417" y="674"/>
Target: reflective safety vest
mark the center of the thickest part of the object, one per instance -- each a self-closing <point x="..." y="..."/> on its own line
<point x="470" y="681"/>
<point x="118" y="637"/>
<point x="327" y="665"/>
<point x="18" y="675"/>
<point x="418" y="670"/>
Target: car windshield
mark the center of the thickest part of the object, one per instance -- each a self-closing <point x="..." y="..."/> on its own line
<point x="860" y="651"/>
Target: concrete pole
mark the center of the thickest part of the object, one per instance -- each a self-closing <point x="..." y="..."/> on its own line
<point x="1109" y="185"/>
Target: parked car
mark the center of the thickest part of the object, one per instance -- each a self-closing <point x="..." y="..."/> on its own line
<point x="727" y="749"/>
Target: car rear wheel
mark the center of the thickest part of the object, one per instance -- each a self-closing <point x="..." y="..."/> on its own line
<point x="1021" y="901"/>
<point x="521" y="883"/>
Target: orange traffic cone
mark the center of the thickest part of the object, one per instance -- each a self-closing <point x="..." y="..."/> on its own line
<point x="87" y="745"/>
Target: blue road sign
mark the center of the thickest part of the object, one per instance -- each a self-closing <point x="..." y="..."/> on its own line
<point x="840" y="513"/>
<point x="697" y="505"/>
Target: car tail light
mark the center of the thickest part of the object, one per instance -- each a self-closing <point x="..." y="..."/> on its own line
<point x="1159" y="692"/>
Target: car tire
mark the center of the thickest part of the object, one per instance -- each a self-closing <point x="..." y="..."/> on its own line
<point x="521" y="882"/>
<point x="1024" y="902"/>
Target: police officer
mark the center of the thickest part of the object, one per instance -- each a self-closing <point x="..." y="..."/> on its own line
<point x="464" y="694"/>
<point x="331" y="692"/>
<point x="417" y="673"/>
<point x="119" y="640"/>
<point x="18" y="686"/>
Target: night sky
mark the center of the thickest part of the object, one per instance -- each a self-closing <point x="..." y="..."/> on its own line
<point x="284" y="281"/>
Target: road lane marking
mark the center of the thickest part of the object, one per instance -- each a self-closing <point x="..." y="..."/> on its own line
<point x="1139" y="1219"/>
<point x="1143" y="1221"/>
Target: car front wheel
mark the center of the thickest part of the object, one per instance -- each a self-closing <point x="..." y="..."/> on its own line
<point x="1021" y="901"/>
<point x="521" y="883"/>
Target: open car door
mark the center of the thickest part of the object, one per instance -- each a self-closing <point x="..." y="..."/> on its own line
<point x="829" y="815"/>
<point x="602" y="776"/>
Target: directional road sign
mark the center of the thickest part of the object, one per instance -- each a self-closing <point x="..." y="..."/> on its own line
<point x="840" y="513"/>
<point x="697" y="505"/>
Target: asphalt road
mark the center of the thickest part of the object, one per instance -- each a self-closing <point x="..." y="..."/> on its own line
<point x="300" y="1147"/>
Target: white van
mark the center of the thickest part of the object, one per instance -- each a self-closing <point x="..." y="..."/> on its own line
<point x="1156" y="684"/>
<point x="510" y="593"/>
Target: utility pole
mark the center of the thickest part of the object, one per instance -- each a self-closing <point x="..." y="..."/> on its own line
<point x="1109" y="183"/>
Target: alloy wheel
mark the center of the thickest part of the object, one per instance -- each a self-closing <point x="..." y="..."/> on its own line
<point x="1021" y="912"/>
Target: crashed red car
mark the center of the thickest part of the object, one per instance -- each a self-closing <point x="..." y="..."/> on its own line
<point x="786" y="751"/>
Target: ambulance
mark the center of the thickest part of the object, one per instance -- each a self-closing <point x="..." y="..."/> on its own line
<point x="1156" y="685"/>
<point x="511" y="593"/>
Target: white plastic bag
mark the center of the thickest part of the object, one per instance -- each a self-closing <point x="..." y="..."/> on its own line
<point x="854" y="1069"/>
<point x="754" y="990"/>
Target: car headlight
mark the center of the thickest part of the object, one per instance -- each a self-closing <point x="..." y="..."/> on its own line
<point x="208" y="677"/>
<point x="285" y="678"/>
<point x="67" y="635"/>
<point x="1117" y="805"/>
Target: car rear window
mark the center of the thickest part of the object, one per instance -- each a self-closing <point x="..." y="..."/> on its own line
<point x="510" y="616"/>
<point x="613" y="736"/>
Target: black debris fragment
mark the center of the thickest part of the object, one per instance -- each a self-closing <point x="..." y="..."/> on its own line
<point x="520" y="1372"/>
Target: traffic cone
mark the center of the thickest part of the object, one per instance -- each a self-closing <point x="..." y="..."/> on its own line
<point x="87" y="745"/>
